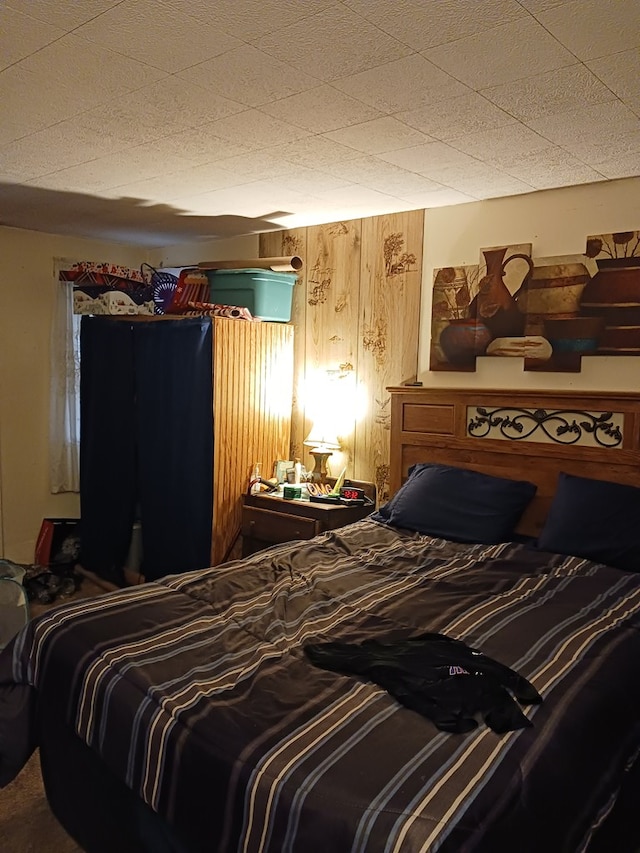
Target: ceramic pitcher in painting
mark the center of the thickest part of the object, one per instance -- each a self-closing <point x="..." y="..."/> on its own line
<point x="494" y="305"/>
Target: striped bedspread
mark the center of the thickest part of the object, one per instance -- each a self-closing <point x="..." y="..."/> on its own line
<point x="196" y="692"/>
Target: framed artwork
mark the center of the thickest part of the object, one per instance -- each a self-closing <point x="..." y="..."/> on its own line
<point x="549" y="311"/>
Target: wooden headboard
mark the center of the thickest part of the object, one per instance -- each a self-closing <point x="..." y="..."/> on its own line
<point x="524" y="435"/>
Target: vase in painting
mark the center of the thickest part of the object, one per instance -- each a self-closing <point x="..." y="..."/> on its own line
<point x="614" y="294"/>
<point x="463" y="340"/>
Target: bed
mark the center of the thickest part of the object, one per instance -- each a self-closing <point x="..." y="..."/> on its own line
<point x="189" y="714"/>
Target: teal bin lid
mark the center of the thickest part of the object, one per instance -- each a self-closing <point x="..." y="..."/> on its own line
<point x="262" y="274"/>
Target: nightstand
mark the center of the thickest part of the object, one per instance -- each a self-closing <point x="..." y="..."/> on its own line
<point x="268" y="520"/>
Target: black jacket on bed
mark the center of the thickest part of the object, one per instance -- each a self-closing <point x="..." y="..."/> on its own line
<point x="439" y="677"/>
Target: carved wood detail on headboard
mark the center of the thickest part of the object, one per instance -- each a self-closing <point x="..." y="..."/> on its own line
<point x="524" y="435"/>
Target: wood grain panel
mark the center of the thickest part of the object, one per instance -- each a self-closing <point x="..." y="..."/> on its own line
<point x="276" y="244"/>
<point x="252" y="390"/>
<point x="333" y="285"/>
<point x="539" y="463"/>
<point x="427" y="418"/>
<point x="390" y="285"/>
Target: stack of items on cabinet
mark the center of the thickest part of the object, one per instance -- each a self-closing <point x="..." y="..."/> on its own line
<point x="258" y="289"/>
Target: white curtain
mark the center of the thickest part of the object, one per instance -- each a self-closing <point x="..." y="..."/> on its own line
<point x="64" y="413"/>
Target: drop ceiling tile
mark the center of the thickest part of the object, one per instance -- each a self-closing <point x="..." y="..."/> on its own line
<point x="593" y="124"/>
<point x="502" y="144"/>
<point x="404" y="84"/>
<point x="67" y="15"/>
<point x="594" y="28"/>
<point x="354" y="194"/>
<point x="306" y="181"/>
<point x="58" y="147"/>
<point x="353" y="202"/>
<point x="537" y="6"/>
<point x="136" y="30"/>
<point x="384" y="177"/>
<point x="315" y="152"/>
<point x="167" y="187"/>
<point x="509" y="52"/>
<point x="249" y="76"/>
<point x="172" y="103"/>
<point x="45" y="106"/>
<point x="334" y="26"/>
<point x="10" y="178"/>
<point x="567" y="177"/>
<point x="574" y="87"/>
<point x="422" y="25"/>
<point x="483" y="181"/>
<point x="379" y="135"/>
<point x="241" y="200"/>
<point x="12" y="169"/>
<point x="254" y="166"/>
<point x="254" y="129"/>
<point x="428" y="159"/>
<point x="621" y="73"/>
<point x="124" y="167"/>
<point x="252" y="18"/>
<point x="287" y="199"/>
<point x="550" y="168"/>
<point x="21" y="35"/>
<point x="119" y="178"/>
<point x="198" y="145"/>
<point x="442" y="197"/>
<point x="320" y="110"/>
<point x="86" y="178"/>
<point x="620" y="167"/>
<point x="466" y="114"/>
<point x="593" y="152"/>
<point x="96" y="73"/>
<point x="471" y="178"/>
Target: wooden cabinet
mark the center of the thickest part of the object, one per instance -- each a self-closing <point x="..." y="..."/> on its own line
<point x="268" y="520"/>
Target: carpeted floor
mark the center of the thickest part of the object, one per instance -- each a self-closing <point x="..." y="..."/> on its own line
<point x="27" y="824"/>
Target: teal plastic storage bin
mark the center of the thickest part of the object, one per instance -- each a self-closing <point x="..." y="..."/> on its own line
<point x="265" y="293"/>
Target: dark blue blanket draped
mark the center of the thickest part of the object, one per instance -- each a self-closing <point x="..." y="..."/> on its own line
<point x="146" y="443"/>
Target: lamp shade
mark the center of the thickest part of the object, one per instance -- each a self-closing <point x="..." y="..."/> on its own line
<point x="322" y="438"/>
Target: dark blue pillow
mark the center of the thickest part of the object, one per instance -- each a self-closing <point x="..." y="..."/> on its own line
<point x="595" y="519"/>
<point x="458" y="504"/>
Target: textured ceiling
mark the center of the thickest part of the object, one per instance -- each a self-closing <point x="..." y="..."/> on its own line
<point x="158" y="121"/>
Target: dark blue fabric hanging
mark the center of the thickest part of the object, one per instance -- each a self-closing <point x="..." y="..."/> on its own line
<point x="146" y="443"/>
<point x="107" y="445"/>
<point x="174" y="412"/>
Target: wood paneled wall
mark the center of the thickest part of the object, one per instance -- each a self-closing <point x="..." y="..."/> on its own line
<point x="252" y="389"/>
<point x="356" y="306"/>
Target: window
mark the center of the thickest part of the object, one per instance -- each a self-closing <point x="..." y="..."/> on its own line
<point x="64" y="417"/>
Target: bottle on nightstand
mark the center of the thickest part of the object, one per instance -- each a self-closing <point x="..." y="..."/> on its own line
<point x="255" y="479"/>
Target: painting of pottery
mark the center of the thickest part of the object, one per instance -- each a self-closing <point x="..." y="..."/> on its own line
<point x="474" y="306"/>
<point x="552" y="307"/>
<point x="613" y="292"/>
<point x="549" y="311"/>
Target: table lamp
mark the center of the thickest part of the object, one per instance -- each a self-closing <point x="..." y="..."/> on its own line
<point x="322" y="441"/>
